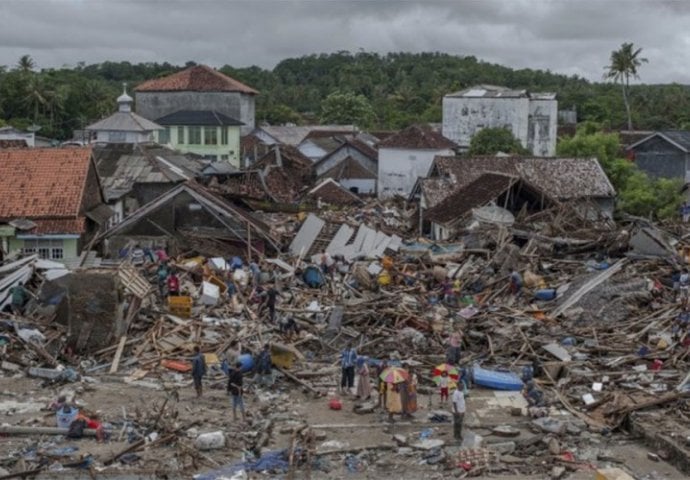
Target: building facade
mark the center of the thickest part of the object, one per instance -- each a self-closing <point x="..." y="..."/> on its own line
<point x="531" y="117"/>
<point x="197" y="88"/>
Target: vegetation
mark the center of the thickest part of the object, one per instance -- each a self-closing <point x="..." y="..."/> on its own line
<point x="490" y="141"/>
<point x="347" y="108"/>
<point x="638" y="194"/>
<point x="623" y="66"/>
<point x="401" y="88"/>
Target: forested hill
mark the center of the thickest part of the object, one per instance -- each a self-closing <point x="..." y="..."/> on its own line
<point x="401" y="88"/>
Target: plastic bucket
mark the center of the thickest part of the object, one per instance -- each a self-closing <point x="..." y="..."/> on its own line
<point x="65" y="418"/>
<point x="247" y="362"/>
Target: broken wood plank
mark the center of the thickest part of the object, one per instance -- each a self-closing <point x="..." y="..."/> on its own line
<point x="118" y="354"/>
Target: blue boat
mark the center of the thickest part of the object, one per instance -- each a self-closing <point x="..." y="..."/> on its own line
<point x="495" y="379"/>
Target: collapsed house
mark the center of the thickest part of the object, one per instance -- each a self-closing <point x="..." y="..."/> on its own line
<point x="190" y="217"/>
<point x="579" y="182"/>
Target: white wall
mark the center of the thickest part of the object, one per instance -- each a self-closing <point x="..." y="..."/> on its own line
<point x="365" y="186"/>
<point x="463" y="117"/>
<point x="129" y="137"/>
<point x="543" y="127"/>
<point x="400" y="168"/>
<point x="29" y="138"/>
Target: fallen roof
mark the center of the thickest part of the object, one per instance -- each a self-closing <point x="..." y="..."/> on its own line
<point x="417" y="137"/>
<point x="198" y="117"/>
<point x="121" y="166"/>
<point x="473" y="195"/>
<point x="124" y="122"/>
<point x="564" y="178"/>
<point x="199" y="78"/>
<point x="332" y="192"/>
<point x="43" y="182"/>
<point x="223" y="211"/>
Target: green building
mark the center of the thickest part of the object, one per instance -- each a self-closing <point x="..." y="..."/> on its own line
<point x="207" y="133"/>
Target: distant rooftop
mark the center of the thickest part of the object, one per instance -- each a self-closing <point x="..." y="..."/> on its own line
<point x="197" y="117"/>
<point x="199" y="78"/>
<point x="493" y="91"/>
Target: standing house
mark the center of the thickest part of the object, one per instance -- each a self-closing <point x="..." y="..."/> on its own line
<point x="531" y="117"/>
<point x="406" y="156"/>
<point x="664" y="154"/>
<point x="50" y="201"/>
<point x="197" y="88"/>
<point x="124" y="126"/>
<point x="354" y="165"/>
<point x="208" y="133"/>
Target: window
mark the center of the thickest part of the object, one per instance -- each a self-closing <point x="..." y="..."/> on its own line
<point x="224" y="157"/>
<point x="223" y="135"/>
<point x="210" y="136"/>
<point x="164" y="135"/>
<point x="49" y="248"/>
<point x="180" y="135"/>
<point x="194" y="135"/>
<point x="117" y="137"/>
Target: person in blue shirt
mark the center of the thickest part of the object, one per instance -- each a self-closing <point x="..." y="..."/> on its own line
<point x="348" y="357"/>
<point x="198" y="370"/>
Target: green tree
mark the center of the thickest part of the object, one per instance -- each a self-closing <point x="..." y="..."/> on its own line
<point x="280" y="114"/>
<point x="491" y="141"/>
<point x="26" y="64"/>
<point x="344" y="108"/>
<point x="624" y="64"/>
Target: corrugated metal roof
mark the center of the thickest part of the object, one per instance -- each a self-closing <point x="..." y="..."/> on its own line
<point x="125" y="122"/>
<point x="494" y="91"/>
<point x="197" y="117"/>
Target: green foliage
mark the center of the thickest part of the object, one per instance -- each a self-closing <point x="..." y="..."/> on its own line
<point x="490" y="141"/>
<point x="637" y="193"/>
<point x="347" y="108"/>
<point x="402" y="88"/>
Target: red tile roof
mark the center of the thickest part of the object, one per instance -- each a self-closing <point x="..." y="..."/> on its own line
<point x="44" y="183"/>
<point x="417" y="137"/>
<point x="199" y="78"/>
<point x="75" y="226"/>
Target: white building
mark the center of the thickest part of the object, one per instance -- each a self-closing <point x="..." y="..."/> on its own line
<point x="532" y="117"/>
<point x="124" y="126"/>
<point x="406" y="156"/>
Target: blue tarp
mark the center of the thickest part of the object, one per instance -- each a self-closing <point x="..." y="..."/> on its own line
<point x="313" y="277"/>
<point x="274" y="461"/>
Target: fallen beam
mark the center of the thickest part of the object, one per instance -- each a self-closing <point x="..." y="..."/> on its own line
<point x="17" y="430"/>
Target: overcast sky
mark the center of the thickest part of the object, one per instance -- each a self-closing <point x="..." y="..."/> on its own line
<point x="566" y="36"/>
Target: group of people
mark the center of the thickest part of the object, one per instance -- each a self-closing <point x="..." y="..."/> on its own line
<point x="400" y="396"/>
<point x="263" y="367"/>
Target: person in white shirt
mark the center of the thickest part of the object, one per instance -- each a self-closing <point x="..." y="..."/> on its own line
<point x="458" y="399"/>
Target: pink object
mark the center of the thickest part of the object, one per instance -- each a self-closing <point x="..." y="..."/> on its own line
<point x="657" y="364"/>
<point x="335" y="404"/>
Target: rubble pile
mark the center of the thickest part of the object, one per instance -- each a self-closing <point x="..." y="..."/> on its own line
<point x="573" y="340"/>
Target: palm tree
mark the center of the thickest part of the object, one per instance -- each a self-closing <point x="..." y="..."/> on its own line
<point x="26" y="64"/>
<point x="37" y="96"/>
<point x="623" y="66"/>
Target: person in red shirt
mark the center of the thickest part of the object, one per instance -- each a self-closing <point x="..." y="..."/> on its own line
<point x="93" y="423"/>
<point x="173" y="284"/>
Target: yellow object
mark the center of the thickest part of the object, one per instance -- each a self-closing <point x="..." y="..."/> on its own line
<point x="282" y="358"/>
<point x="211" y="359"/>
<point x="301" y="216"/>
<point x="662" y="345"/>
<point x="384" y="278"/>
<point x="612" y="474"/>
<point x="180" y="306"/>
<point x="387" y="262"/>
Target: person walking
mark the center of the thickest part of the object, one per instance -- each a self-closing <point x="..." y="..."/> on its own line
<point x="271" y="296"/>
<point x="198" y="370"/>
<point x="454" y="350"/>
<point x="443" y="384"/>
<point x="162" y="275"/>
<point x="684" y="283"/>
<point x="348" y="357"/>
<point x="236" y="390"/>
<point x="458" y="413"/>
<point x="19" y="298"/>
<point x="363" y="385"/>
<point x="265" y="367"/>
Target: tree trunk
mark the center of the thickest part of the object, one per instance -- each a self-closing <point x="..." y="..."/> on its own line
<point x="625" y="86"/>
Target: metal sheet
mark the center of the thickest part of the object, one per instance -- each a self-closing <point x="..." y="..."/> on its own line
<point x="307" y="235"/>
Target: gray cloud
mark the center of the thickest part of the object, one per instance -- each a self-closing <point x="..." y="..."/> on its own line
<point x="568" y="36"/>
